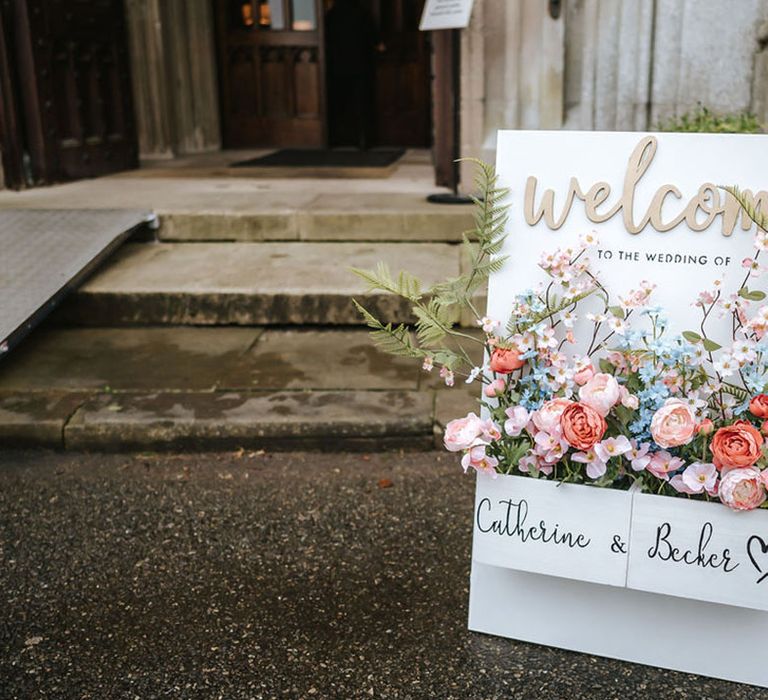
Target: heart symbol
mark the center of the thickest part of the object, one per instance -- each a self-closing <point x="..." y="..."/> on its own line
<point x="763" y="550"/>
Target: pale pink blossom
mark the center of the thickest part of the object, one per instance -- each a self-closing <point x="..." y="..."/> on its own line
<point x="489" y="431"/>
<point x="428" y="364"/>
<point x="677" y="483"/>
<point x="489" y="325"/>
<point x="662" y="464"/>
<point x="699" y="477"/>
<point x="742" y="488"/>
<point x="528" y="462"/>
<point x="517" y="419"/>
<point x="447" y="375"/>
<point x="754" y="267"/>
<point x="612" y="447"/>
<point x="595" y="466"/>
<point x="601" y="393"/>
<point x="638" y="455"/>
<point x="532" y="463"/>
<point x="481" y="462"/>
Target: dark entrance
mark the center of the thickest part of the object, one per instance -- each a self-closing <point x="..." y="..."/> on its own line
<point x="378" y="74"/>
<point x="301" y="73"/>
<point x="65" y="88"/>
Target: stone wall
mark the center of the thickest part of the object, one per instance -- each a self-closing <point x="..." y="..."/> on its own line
<point x="608" y="64"/>
<point x="173" y="66"/>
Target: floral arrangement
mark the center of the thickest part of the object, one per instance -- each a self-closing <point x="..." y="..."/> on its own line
<point x="672" y="414"/>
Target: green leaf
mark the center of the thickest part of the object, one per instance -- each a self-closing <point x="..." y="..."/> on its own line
<point x="755" y="295"/>
<point x="692" y="337"/>
<point x="606" y="367"/>
<point x="616" y="311"/>
<point x="711" y="345"/>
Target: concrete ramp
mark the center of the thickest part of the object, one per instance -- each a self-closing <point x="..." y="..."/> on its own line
<point x="46" y="253"/>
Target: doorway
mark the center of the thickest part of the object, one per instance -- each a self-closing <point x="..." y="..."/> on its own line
<point x="324" y="73"/>
<point x="65" y="91"/>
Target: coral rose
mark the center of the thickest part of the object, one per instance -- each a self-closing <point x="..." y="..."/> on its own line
<point x="673" y="424"/>
<point x="758" y="406"/>
<point x="742" y="489"/>
<point x="737" y="445"/>
<point x="505" y="360"/>
<point x="582" y="426"/>
<point x="601" y="393"/>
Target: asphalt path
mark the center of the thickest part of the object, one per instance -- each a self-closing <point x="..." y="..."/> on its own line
<point x="251" y="575"/>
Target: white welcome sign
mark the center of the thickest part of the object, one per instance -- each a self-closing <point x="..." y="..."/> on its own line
<point x="682" y="576"/>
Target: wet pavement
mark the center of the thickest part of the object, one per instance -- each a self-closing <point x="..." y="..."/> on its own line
<point x="250" y="575"/>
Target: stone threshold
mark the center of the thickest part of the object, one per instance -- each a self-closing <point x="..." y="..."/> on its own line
<point x="274" y="421"/>
<point x="159" y="388"/>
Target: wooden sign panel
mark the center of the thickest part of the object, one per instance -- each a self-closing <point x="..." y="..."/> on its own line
<point x="699" y="550"/>
<point x="564" y="530"/>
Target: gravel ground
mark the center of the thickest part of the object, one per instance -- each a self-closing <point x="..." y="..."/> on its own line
<point x="264" y="576"/>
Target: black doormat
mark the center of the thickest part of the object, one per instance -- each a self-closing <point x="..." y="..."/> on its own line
<point x="308" y="158"/>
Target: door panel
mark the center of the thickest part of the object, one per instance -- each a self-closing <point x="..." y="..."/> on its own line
<point x="272" y="77"/>
<point x="73" y="66"/>
<point x="402" y="75"/>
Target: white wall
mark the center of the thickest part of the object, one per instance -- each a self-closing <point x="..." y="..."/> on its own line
<point x="608" y="64"/>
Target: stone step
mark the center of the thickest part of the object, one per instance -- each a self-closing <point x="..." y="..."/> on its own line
<point x="251" y="283"/>
<point x="328" y="217"/>
<point x="165" y="387"/>
<point x="215" y="209"/>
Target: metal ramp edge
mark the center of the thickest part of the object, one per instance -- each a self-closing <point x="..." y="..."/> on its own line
<point x="47" y="253"/>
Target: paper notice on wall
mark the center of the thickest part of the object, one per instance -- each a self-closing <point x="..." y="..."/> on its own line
<point x="446" y="14"/>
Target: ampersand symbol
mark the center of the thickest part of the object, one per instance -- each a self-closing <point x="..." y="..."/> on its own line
<point x="618" y="546"/>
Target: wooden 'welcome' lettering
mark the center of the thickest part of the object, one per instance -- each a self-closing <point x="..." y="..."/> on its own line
<point x="699" y="213"/>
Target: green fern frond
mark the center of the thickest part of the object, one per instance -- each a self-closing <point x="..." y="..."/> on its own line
<point x="392" y="340"/>
<point x="746" y="203"/>
<point x="433" y="322"/>
<point x="406" y="285"/>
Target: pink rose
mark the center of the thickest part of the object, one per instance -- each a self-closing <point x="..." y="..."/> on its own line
<point x="758" y="406"/>
<point x="496" y="387"/>
<point x="463" y="433"/>
<point x="601" y="393"/>
<point x="547" y="418"/>
<point x="674" y="424"/>
<point x="742" y="488"/>
<point x="628" y="400"/>
<point x="584" y="374"/>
